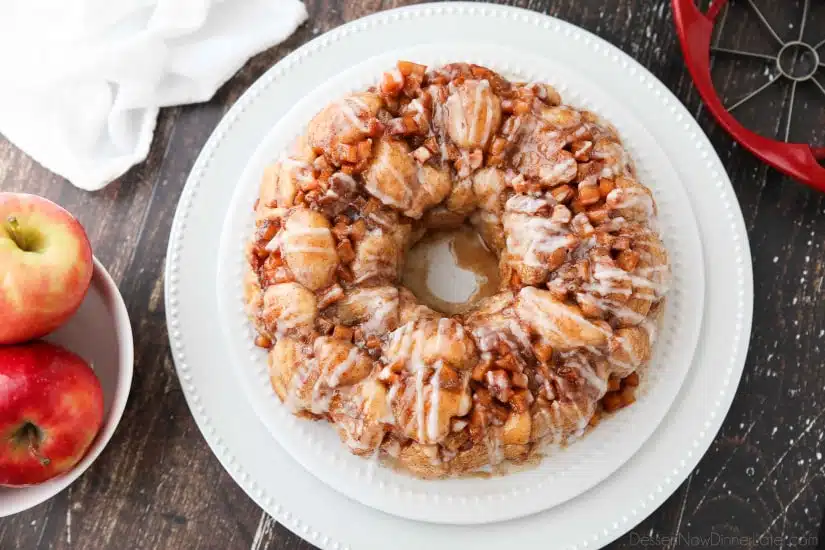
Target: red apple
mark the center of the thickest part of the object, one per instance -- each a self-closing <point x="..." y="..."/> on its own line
<point x="45" y="266"/>
<point x="51" y="408"/>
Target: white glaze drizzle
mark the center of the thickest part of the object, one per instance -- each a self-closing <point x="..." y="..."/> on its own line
<point x="578" y="361"/>
<point x="435" y="393"/>
<point x="382" y="304"/>
<point x="534" y="239"/>
<point x="342" y="367"/>
<point x="349" y="112"/>
<point x="292" y="240"/>
<point x="456" y="114"/>
<point x="631" y="198"/>
<point x="381" y="169"/>
<point x="419" y="404"/>
<point x="556" y="171"/>
<point x="291" y="317"/>
<point x="544" y="314"/>
<point x="482" y="103"/>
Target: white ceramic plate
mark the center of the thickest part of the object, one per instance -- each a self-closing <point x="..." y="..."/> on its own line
<point x="566" y="472"/>
<point x="100" y="333"/>
<point x="308" y="506"/>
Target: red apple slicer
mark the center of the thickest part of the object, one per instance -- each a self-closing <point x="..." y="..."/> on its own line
<point x="799" y="63"/>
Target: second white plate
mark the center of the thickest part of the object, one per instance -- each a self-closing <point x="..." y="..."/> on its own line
<point x="565" y="473"/>
<point x="326" y="518"/>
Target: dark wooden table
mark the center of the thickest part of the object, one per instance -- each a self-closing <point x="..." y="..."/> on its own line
<point x="158" y="486"/>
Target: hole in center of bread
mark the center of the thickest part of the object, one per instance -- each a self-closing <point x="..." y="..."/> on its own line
<point x="450" y="271"/>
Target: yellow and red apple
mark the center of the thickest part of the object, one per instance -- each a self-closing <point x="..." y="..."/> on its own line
<point x="51" y="408"/>
<point x="45" y="266"/>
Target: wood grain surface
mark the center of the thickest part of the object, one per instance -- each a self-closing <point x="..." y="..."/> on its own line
<point x="158" y="486"/>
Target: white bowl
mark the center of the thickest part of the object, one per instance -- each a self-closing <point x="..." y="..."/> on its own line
<point x="101" y="334"/>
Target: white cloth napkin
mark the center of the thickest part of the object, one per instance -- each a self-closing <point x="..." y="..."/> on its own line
<point x="81" y="81"/>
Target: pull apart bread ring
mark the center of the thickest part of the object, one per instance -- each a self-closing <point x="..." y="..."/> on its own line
<point x="552" y="192"/>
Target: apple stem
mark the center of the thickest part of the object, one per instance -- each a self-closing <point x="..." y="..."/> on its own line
<point x="14" y="231"/>
<point x="34" y="443"/>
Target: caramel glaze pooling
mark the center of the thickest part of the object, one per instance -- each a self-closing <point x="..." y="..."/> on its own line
<point x="552" y="192"/>
<point x="468" y="252"/>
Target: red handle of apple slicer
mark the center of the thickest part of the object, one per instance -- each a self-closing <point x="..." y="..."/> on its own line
<point x="695" y="31"/>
